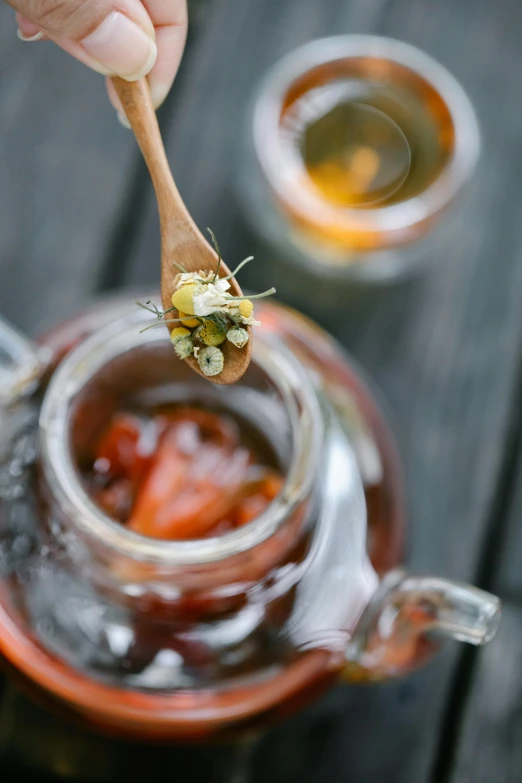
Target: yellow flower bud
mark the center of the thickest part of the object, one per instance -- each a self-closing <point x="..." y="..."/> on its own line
<point x="246" y="308"/>
<point x="211" y="334"/>
<point x="178" y="333"/>
<point x="183" y="298"/>
<point x="186" y="320"/>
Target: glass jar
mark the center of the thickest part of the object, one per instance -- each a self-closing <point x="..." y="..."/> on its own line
<point x="355" y="148"/>
<point x="199" y="639"/>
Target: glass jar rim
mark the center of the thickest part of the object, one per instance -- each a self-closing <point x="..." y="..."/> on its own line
<point x="123" y="335"/>
<point x="391" y="218"/>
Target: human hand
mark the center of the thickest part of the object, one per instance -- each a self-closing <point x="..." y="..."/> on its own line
<point x="127" y="38"/>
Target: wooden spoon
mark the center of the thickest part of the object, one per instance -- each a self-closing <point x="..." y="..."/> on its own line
<point x="181" y="240"/>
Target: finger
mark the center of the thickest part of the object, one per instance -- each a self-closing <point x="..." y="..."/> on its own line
<point x="114" y="37"/>
<point x="27" y="30"/>
<point x="170" y="41"/>
<point x="170" y="19"/>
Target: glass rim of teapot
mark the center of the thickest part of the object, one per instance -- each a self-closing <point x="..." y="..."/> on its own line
<point x="284" y="372"/>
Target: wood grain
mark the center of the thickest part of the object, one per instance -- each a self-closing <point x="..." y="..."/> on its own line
<point x="491" y="740"/>
<point x="508" y="572"/>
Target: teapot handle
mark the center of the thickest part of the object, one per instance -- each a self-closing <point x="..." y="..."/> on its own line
<point x="407" y="619"/>
<point x="21" y="364"/>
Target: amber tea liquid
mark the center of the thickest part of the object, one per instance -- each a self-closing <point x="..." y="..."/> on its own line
<point x="359" y="145"/>
<point x="366" y="144"/>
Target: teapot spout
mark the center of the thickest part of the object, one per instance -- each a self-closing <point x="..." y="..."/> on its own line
<point x="21" y="364"/>
<point x="408" y="619"/>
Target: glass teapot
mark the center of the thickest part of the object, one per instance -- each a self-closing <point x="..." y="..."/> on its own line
<point x="198" y="639"/>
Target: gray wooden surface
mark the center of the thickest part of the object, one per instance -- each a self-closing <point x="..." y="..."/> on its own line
<point x="491" y="736"/>
<point x="76" y="209"/>
<point x="64" y="172"/>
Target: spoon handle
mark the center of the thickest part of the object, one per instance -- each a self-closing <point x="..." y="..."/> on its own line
<point x="136" y="100"/>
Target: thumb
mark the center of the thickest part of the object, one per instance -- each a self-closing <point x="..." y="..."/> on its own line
<point x="114" y="37"/>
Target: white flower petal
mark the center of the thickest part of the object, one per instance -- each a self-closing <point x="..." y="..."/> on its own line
<point x="209" y="300"/>
<point x="221" y="285"/>
<point x="201" y="278"/>
<point x="251" y="321"/>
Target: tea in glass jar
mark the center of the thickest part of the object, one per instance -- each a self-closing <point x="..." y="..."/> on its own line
<point x="357" y="145"/>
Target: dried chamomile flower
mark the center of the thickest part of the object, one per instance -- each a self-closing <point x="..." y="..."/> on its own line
<point x="211" y="361"/>
<point x="179" y="333"/>
<point x="243" y="309"/>
<point x="186" y="320"/>
<point x="184" y="347"/>
<point x="211" y="333"/>
<point x="246" y="308"/>
<point x="250" y="321"/>
<point x="238" y="337"/>
<point x="183" y="298"/>
<point x="211" y="298"/>
<point x="207" y="314"/>
<point x="184" y="278"/>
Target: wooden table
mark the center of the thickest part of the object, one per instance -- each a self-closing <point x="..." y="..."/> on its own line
<point x="77" y="217"/>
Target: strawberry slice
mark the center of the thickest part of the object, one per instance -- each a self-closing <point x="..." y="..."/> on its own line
<point x="126" y="448"/>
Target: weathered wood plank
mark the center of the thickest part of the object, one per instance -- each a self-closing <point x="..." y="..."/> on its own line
<point x="64" y="166"/>
<point x="491" y="740"/>
<point x="489" y="717"/>
<point x="444" y="351"/>
<point x="508" y="576"/>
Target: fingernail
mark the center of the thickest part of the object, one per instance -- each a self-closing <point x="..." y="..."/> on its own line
<point x="123" y="120"/>
<point x="158" y="93"/>
<point x="121" y="47"/>
<point x="36" y="37"/>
